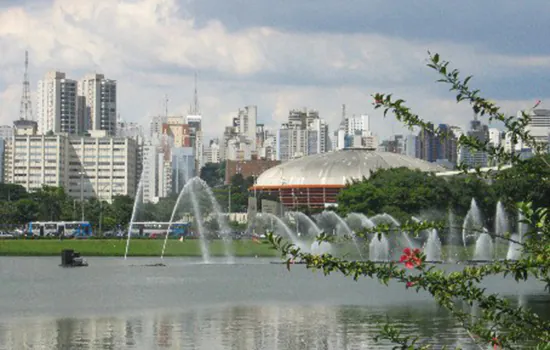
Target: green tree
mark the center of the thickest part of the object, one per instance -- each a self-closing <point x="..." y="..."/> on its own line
<point x="395" y="191"/>
<point x="26" y="210"/>
<point x="213" y="174"/>
<point x="239" y="192"/>
<point x="120" y="211"/>
<point x="498" y="323"/>
<point x="529" y="180"/>
<point x="51" y="201"/>
<point x="12" y="192"/>
<point x="8" y="213"/>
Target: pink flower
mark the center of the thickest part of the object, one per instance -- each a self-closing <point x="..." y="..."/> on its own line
<point x="410" y="258"/>
<point x="410" y="284"/>
<point x="496" y="343"/>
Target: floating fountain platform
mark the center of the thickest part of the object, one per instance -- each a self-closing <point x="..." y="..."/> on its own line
<point x="70" y="258"/>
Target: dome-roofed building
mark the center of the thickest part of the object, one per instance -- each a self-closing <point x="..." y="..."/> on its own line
<point x="315" y="181"/>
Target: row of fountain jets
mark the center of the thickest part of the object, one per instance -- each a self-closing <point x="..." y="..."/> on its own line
<point x="381" y="247"/>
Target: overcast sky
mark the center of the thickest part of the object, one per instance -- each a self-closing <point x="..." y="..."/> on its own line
<point x="280" y="54"/>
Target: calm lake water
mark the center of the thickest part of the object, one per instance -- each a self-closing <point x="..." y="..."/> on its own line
<point x="117" y="304"/>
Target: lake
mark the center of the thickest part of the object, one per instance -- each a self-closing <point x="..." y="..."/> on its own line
<point x="252" y="304"/>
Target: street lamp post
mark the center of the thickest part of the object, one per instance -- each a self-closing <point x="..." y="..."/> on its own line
<point x="229" y="206"/>
<point x="101" y="209"/>
<point x="82" y="195"/>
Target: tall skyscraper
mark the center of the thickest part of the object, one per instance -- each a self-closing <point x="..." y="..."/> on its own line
<point x="304" y="134"/>
<point x="100" y="97"/>
<point x="495" y="137"/>
<point x="357" y="124"/>
<point x="247" y="124"/>
<point x="471" y="157"/>
<point x="57" y="104"/>
<point x="412" y="146"/>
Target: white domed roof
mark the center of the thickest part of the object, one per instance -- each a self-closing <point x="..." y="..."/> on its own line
<point x="339" y="168"/>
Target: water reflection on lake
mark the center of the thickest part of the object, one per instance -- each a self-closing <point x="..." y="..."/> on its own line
<point x="240" y="327"/>
<point x="187" y="306"/>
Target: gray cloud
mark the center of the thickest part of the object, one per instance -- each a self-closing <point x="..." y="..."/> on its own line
<point x="504" y="26"/>
<point x="249" y="53"/>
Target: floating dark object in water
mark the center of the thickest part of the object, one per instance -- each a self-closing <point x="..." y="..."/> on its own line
<point x="70" y="258"/>
<point x="152" y="265"/>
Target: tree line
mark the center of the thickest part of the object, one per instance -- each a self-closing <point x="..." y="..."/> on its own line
<point x="402" y="192"/>
<point x="19" y="207"/>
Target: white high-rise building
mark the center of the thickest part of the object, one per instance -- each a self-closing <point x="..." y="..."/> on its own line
<point x="304" y="134"/>
<point x="357" y="125"/>
<point x="100" y="96"/>
<point x="6" y="131"/>
<point x="539" y="126"/>
<point x="212" y="153"/>
<point x="248" y="117"/>
<point x="85" y="166"/>
<point x="494" y="137"/>
<point x="197" y="141"/>
<point x="157" y="171"/>
<point x="155" y="127"/>
<point x="320" y="127"/>
<point x="58" y="104"/>
<point x="101" y="167"/>
<point x="412" y="146"/>
<point x="129" y="129"/>
<point x="517" y="146"/>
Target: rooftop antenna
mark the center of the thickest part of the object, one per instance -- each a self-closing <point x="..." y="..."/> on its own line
<point x="343" y="112"/>
<point x="25" y="111"/>
<point x="195" y="109"/>
<point x="166" y="106"/>
<point x="343" y="121"/>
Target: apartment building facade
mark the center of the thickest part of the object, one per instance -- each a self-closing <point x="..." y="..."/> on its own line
<point x="85" y="166"/>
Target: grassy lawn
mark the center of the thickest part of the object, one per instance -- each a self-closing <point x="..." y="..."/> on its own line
<point x="138" y="247"/>
<point x="153" y="247"/>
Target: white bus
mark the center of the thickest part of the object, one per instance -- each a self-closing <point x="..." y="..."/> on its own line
<point x="57" y="228"/>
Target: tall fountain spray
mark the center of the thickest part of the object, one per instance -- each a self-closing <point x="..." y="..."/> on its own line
<point x="190" y="189"/>
<point x="403" y="237"/>
<point x="522" y="227"/>
<point x="432" y="247"/>
<point x="197" y="215"/>
<point x="501" y="224"/>
<point x="473" y="224"/>
<point x="379" y="248"/>
<point x="363" y="220"/>
<point x="279" y="223"/>
<point x="514" y="249"/>
<point x="174" y="210"/>
<point x="484" y="247"/>
<point x="223" y="226"/>
<point x="453" y="238"/>
<point x="307" y="222"/>
<point x="341" y="228"/>
<point x="139" y="195"/>
<point x="501" y="220"/>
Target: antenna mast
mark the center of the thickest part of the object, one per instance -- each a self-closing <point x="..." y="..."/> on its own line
<point x="196" y="99"/>
<point x="166" y="106"/>
<point x="25" y="111"/>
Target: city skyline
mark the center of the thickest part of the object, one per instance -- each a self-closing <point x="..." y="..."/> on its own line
<point x="252" y="60"/>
